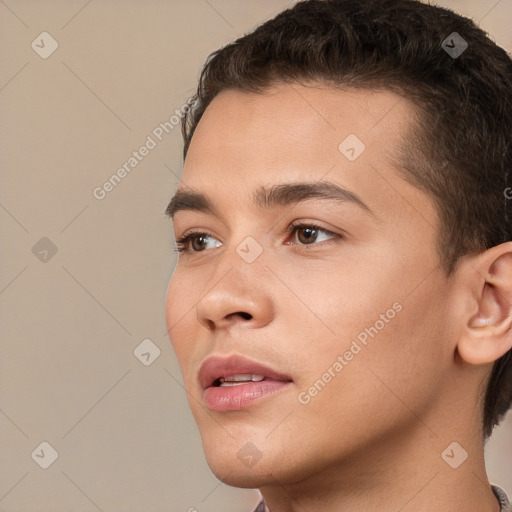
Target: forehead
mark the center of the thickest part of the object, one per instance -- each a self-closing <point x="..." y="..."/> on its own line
<point x="297" y="133"/>
<point x="307" y="120"/>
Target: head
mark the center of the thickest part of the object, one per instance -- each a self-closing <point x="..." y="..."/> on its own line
<point x="410" y="271"/>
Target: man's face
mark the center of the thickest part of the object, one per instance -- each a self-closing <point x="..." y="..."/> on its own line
<point x="364" y="290"/>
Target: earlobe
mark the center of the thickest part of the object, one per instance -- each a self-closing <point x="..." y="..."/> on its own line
<point x="487" y="334"/>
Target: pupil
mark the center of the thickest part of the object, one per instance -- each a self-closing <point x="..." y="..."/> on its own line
<point x="311" y="234"/>
<point x="198" y="242"/>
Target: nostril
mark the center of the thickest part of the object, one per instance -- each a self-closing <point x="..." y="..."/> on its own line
<point x="243" y="314"/>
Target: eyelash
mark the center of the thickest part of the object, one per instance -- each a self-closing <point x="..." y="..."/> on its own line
<point x="181" y="243"/>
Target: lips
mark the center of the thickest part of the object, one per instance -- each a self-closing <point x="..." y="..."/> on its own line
<point x="236" y="368"/>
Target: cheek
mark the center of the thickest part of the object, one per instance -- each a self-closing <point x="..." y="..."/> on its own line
<point x="171" y="304"/>
<point x="182" y="296"/>
<point x="373" y="339"/>
<point x="179" y="309"/>
<point x="357" y="392"/>
<point x="339" y="299"/>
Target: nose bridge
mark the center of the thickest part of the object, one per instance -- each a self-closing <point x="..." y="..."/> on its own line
<point x="244" y="253"/>
<point x="236" y="286"/>
<point x="238" y="270"/>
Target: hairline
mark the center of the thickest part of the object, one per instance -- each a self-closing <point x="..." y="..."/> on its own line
<point x="414" y="129"/>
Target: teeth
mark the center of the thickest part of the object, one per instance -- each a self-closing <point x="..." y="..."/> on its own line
<point x="237" y="380"/>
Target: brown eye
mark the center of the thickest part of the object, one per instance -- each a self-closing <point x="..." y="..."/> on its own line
<point x="194" y="242"/>
<point x="307" y="235"/>
<point x="198" y="242"/>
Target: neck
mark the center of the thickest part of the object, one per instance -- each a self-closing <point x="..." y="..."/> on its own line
<point x="396" y="474"/>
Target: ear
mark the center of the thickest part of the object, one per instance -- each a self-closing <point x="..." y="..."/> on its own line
<point x="487" y="333"/>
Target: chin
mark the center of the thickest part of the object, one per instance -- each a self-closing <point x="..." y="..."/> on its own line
<point x="238" y="464"/>
<point x="249" y="468"/>
<point x="243" y="479"/>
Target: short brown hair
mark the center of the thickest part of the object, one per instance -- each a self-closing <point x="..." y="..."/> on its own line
<point x="459" y="151"/>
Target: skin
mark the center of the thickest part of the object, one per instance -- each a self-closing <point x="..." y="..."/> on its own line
<point x="372" y="438"/>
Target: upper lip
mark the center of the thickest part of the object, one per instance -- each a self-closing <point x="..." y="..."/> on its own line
<point x="215" y="367"/>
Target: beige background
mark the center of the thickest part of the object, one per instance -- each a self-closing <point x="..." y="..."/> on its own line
<point x="125" y="438"/>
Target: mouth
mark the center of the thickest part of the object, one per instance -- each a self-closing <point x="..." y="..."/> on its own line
<point x="232" y="383"/>
<point x="236" y="380"/>
<point x="236" y="370"/>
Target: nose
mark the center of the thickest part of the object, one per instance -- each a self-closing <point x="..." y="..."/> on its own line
<point x="237" y="298"/>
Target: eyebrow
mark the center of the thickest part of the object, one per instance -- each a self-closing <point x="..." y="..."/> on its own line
<point x="283" y="194"/>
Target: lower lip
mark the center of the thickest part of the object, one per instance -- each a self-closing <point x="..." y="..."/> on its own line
<point x="233" y="398"/>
